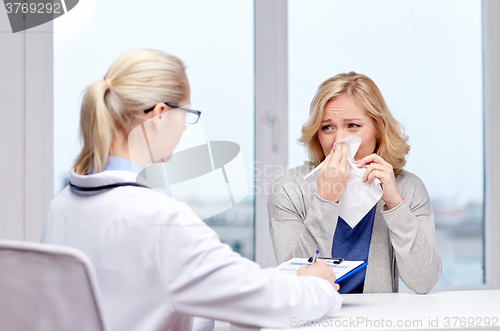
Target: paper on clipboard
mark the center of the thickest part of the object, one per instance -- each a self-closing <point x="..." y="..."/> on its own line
<point x="341" y="271"/>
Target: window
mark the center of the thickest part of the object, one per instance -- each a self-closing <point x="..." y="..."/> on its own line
<point x="214" y="39"/>
<point x="426" y="58"/>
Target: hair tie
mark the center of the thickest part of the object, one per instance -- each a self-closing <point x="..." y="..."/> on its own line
<point x="108" y="82"/>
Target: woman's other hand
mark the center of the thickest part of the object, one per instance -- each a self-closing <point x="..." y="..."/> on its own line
<point x="379" y="168"/>
<point x="319" y="269"/>
<point x="333" y="175"/>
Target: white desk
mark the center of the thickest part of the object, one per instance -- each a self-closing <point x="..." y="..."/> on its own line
<point x="408" y="311"/>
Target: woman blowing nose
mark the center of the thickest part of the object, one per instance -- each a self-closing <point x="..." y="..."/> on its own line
<point x="397" y="236"/>
<point x="154" y="271"/>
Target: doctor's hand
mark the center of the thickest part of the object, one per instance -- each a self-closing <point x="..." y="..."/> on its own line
<point x="379" y="168"/>
<point x="319" y="269"/>
<point x="333" y="175"/>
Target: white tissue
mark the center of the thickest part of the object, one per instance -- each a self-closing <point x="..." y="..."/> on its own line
<point x="359" y="197"/>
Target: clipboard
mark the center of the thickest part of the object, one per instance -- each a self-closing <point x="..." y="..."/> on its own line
<point x="341" y="268"/>
<point x="328" y="259"/>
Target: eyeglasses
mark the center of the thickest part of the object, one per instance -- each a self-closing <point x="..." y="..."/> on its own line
<point x="192" y="115"/>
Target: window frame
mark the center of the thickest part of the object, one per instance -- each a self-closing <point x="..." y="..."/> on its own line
<point x="491" y="74"/>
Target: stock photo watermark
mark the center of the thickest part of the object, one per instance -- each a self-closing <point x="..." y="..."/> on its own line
<point x="391" y="323"/>
<point x="27" y="14"/>
<point x="212" y="176"/>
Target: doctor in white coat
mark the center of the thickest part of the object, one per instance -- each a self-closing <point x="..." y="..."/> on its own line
<point x="157" y="263"/>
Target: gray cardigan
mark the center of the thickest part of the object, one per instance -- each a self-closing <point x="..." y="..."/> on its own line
<point x="403" y="240"/>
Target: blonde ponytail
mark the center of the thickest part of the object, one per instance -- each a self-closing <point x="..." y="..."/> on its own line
<point x="96" y="130"/>
<point x="136" y="81"/>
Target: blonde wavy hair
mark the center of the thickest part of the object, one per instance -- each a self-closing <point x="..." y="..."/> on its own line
<point x="391" y="143"/>
<point x="136" y="81"/>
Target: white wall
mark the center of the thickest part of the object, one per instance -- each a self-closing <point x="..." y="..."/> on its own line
<point x="491" y="40"/>
<point x="25" y="129"/>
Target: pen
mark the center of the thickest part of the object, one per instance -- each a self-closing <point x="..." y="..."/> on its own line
<point x="316" y="256"/>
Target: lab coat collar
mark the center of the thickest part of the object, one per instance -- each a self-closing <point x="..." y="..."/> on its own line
<point x="103" y="178"/>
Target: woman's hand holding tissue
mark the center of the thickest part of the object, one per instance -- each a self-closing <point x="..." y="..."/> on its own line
<point x="333" y="175"/>
<point x="379" y="168"/>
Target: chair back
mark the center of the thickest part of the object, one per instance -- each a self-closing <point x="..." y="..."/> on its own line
<point x="47" y="287"/>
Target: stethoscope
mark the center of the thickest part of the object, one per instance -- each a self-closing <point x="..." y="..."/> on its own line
<point x="105" y="187"/>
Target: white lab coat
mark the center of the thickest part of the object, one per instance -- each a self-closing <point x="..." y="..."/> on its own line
<point x="158" y="264"/>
